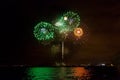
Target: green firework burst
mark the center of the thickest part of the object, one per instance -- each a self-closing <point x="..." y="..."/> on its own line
<point x="71" y="19"/>
<point x="68" y="22"/>
<point x="61" y="27"/>
<point x="44" y="31"/>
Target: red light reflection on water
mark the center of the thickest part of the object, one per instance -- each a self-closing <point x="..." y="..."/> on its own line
<point x="81" y="73"/>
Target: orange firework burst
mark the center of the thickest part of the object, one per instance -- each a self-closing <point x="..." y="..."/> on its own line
<point x="78" y="32"/>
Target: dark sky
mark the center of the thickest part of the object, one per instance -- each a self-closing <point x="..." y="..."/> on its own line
<point x="18" y="18"/>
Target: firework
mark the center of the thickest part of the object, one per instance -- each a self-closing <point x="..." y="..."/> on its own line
<point x="67" y="22"/>
<point x="61" y="26"/>
<point x="78" y="32"/>
<point x="71" y="19"/>
<point x="44" y="31"/>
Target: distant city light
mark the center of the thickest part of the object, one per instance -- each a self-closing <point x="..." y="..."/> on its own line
<point x="102" y="64"/>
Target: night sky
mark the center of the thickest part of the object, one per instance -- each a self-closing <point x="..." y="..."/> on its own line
<point x="19" y="46"/>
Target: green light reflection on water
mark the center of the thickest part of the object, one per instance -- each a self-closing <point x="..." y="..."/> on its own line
<point x="56" y="73"/>
<point x="46" y="73"/>
<point x="37" y="73"/>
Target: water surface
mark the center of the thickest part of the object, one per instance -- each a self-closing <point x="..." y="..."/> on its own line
<point x="59" y="73"/>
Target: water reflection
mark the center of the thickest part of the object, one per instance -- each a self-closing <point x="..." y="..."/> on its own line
<point x="80" y="73"/>
<point x="61" y="73"/>
<point x="57" y="73"/>
<point x="37" y="73"/>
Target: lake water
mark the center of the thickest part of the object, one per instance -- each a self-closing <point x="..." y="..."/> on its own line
<point x="59" y="73"/>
